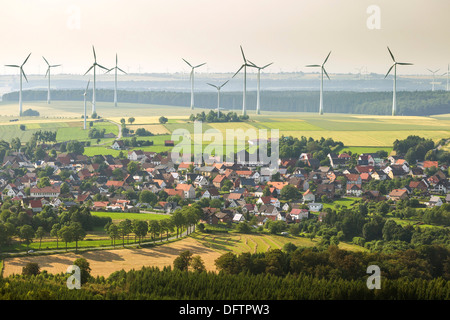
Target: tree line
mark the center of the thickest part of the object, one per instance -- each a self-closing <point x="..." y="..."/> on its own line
<point x="288" y="274"/>
<point x="411" y="103"/>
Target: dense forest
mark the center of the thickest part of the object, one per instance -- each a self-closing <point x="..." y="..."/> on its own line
<point x="416" y="103"/>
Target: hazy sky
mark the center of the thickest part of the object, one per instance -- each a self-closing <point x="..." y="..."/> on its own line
<point x="155" y="34"/>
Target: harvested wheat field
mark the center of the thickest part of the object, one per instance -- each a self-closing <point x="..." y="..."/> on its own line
<point x="105" y="262"/>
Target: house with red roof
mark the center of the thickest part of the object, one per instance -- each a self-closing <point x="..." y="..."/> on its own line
<point x="299" y="214"/>
<point x="398" y="194"/>
<point x="219" y="180"/>
<point x="187" y="189"/>
<point x="35" y="205"/>
<point x="430" y="164"/>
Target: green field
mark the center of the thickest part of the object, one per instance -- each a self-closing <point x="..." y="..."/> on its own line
<point x="359" y="133"/>
<point x="257" y="243"/>
<point x="131" y="216"/>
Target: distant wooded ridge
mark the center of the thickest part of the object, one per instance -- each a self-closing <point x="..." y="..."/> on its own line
<point x="409" y="103"/>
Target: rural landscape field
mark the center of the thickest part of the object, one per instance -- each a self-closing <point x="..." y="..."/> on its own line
<point x="359" y="133"/>
<point x="235" y="159"/>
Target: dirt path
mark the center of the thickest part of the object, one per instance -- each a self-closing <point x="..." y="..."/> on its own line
<point x="105" y="262"/>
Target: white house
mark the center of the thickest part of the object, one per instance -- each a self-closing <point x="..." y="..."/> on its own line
<point x="308" y="196"/>
<point x="315" y="207"/>
<point x="354" y="190"/>
<point x="299" y="214"/>
<point x="238" y="217"/>
<point x="118" y="145"/>
<point x="45" y="192"/>
<point x="435" y="201"/>
<point x="201" y="181"/>
<point x="136" y="155"/>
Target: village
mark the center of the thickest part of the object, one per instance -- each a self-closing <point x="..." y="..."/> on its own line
<point x="299" y="190"/>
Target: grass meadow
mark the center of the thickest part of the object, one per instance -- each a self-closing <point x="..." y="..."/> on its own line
<point x="359" y="133"/>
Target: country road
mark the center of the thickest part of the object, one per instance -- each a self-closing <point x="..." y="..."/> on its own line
<point x="119" y="136"/>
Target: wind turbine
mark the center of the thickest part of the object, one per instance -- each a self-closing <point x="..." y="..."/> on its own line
<point x="21" y="73"/>
<point x="322" y="68"/>
<point x="84" y="94"/>
<point x="360" y="70"/>
<point x="434" y="75"/>
<point x="192" y="80"/>
<point x="244" y="66"/>
<point x="115" y="80"/>
<point x="447" y="74"/>
<point x="218" y="94"/>
<point x="48" y="73"/>
<point x="95" y="64"/>
<point x="258" y="107"/>
<point x="394" y="66"/>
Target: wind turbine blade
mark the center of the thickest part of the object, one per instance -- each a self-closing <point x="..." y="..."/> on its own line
<point x="224" y="83"/>
<point x="313" y="66"/>
<point x="87" y="87"/>
<point x="326" y="58"/>
<point x="187" y="63"/>
<point x="55" y="65"/>
<point x="46" y="61"/>
<point x="213" y="85"/>
<point x="89" y="70"/>
<point x="243" y="55"/>
<point x="251" y="64"/>
<point x="200" y="65"/>
<point x="238" y="71"/>
<point x="392" y="56"/>
<point x="12" y="65"/>
<point x="121" y="70"/>
<point x="326" y="73"/>
<point x="109" y="70"/>
<point x="24" y="74"/>
<point x="95" y="56"/>
<point x="102" y="67"/>
<point x="389" y="71"/>
<point x="267" y="65"/>
<point x="404" y="64"/>
<point x="48" y="70"/>
<point x="116" y="59"/>
<point x="26" y="59"/>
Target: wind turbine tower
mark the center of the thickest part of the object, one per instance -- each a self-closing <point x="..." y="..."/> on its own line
<point x="258" y="104"/>
<point x="447" y="74"/>
<point x="394" y="66"/>
<point x="84" y="94"/>
<point x="48" y="73"/>
<point x="115" y="80"/>
<point x="434" y="78"/>
<point x="192" y="80"/>
<point x="244" y="66"/>
<point x="322" y="68"/>
<point x="22" y="73"/>
<point x="94" y="65"/>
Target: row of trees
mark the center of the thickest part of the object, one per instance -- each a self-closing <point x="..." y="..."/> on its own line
<point x="417" y="103"/>
<point x="425" y="262"/>
<point x="185" y="218"/>
<point x="292" y="148"/>
<point x="214" y="116"/>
